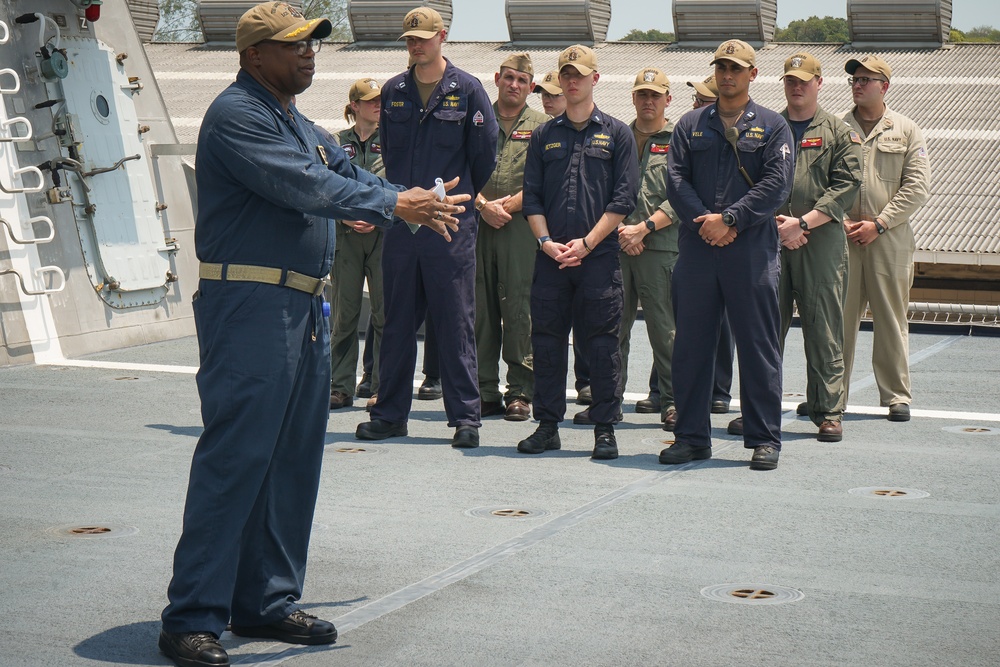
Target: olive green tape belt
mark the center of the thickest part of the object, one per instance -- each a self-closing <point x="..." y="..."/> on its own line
<point x="262" y="274"/>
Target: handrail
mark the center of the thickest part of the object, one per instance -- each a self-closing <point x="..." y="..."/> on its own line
<point x="13" y="121"/>
<point x="23" y="170"/>
<point x="17" y="80"/>
<point x="55" y="270"/>
<point x="31" y="221"/>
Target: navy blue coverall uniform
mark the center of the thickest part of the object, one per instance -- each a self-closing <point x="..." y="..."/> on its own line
<point x="573" y="177"/>
<point x="269" y="188"/>
<point x="739" y="279"/>
<point x="455" y="135"/>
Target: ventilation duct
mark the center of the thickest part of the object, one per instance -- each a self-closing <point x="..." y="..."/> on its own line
<point x="382" y="20"/>
<point x="899" y="22"/>
<point x="558" y="21"/>
<point x="711" y="22"/>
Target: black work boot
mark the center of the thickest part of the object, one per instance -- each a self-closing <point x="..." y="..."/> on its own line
<point x="605" y="445"/>
<point x="545" y="437"/>
<point x="193" y="649"/>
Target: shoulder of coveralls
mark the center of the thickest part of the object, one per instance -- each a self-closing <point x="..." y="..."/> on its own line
<point x="535" y="116"/>
<point x="242" y="99"/>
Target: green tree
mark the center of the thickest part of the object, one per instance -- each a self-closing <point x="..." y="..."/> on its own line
<point x="652" y="35"/>
<point x="814" y="29"/>
<point x="983" y="33"/>
<point x="179" y="19"/>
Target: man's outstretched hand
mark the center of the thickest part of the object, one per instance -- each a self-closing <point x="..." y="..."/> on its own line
<point x="422" y="207"/>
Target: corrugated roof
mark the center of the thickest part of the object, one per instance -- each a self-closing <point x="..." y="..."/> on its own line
<point x="952" y="93"/>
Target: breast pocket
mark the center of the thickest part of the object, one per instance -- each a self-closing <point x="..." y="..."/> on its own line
<point x="451" y="127"/>
<point x="699" y="144"/>
<point x="889" y="157"/>
<point x="598" y="152"/>
<point x="749" y="145"/>
<point x="398" y="117"/>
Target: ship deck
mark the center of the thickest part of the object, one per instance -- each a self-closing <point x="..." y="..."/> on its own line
<point x="882" y="549"/>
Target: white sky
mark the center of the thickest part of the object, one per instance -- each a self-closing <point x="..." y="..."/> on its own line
<point x="484" y="20"/>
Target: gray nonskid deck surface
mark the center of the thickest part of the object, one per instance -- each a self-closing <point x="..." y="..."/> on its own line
<point x="609" y="571"/>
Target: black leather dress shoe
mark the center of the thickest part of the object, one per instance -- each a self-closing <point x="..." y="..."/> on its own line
<point x="379" y="429"/>
<point x="802" y="409"/>
<point x="296" y="628"/>
<point x="735" y="427"/>
<point x="364" y="389"/>
<point x="491" y="408"/>
<point x="649" y="405"/>
<point x="720" y="407"/>
<point x="582" y="418"/>
<point x="430" y="389"/>
<point x="466" y="437"/>
<point x="193" y="649"/>
<point x="584" y="396"/>
<point x="764" y="457"/>
<point x="681" y="452"/>
<point x="605" y="444"/>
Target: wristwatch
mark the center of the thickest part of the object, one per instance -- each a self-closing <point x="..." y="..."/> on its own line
<point x="481" y="203"/>
<point x="650" y="225"/>
<point x="728" y="219"/>
<point x="879" y="227"/>
<point x="803" y="224"/>
<point x="543" y="239"/>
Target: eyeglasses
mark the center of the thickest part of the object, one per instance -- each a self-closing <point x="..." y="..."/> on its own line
<point x="302" y="47"/>
<point x="701" y="101"/>
<point x="861" y="80"/>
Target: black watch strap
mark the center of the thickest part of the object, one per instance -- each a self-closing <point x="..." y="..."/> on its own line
<point x="650" y="225"/>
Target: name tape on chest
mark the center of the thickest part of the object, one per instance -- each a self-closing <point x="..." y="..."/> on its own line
<point x="659" y="148"/>
<point x="520" y="135"/>
<point x="812" y="142"/>
<point x="554" y="145"/>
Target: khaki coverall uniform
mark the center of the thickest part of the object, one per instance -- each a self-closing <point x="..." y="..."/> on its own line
<point x="646" y="277"/>
<point x="828" y="170"/>
<point x="357" y="257"/>
<point x="896" y="182"/>
<point x="505" y="260"/>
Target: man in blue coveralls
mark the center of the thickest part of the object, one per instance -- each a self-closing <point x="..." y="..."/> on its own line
<point x="731" y="166"/>
<point x="581" y="180"/>
<point x="437" y="121"/>
<point x="269" y="188"/>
